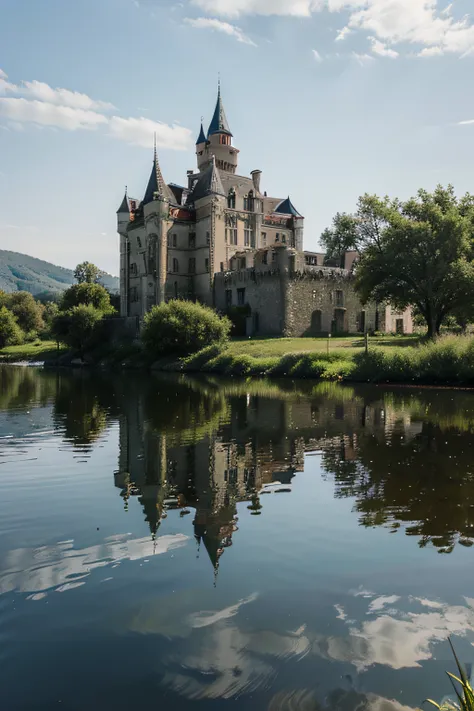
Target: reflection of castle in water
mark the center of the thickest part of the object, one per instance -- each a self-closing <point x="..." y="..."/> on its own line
<point x="255" y="446"/>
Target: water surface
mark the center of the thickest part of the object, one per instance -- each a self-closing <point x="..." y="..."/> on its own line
<point x="208" y="544"/>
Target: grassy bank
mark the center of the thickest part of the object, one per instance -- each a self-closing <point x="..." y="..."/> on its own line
<point x="403" y="360"/>
<point x="448" y="361"/>
<point x="37" y="351"/>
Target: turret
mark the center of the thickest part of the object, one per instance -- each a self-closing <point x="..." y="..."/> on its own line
<point x="123" y="214"/>
<point x="218" y="142"/>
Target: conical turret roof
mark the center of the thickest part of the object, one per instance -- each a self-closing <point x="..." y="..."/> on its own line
<point x="219" y="123"/>
<point x="202" y="136"/>
<point x="156" y="184"/>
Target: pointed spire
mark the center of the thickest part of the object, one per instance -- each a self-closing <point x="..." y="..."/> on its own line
<point x="286" y="207"/>
<point x="209" y="183"/>
<point x="156" y="183"/>
<point x="219" y="123"/>
<point x="202" y="136"/>
<point x="124" y="205"/>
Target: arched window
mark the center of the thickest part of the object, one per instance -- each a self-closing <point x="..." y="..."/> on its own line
<point x="176" y="290"/>
<point x="231" y="199"/>
<point x="175" y="266"/>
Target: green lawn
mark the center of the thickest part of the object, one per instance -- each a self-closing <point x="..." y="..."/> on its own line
<point x="269" y="347"/>
<point x="36" y="351"/>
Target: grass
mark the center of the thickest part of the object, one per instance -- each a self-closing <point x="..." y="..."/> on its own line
<point x="462" y="689"/>
<point x="277" y="347"/>
<point x="447" y="361"/>
<point x="31" y="352"/>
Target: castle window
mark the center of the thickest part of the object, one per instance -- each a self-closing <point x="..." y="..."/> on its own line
<point x="133" y="269"/>
<point x="277" y="237"/>
<point x="240" y="297"/>
<point x="208" y="238"/>
<point x="283" y="238"/>
<point x="232" y="236"/>
<point x="174" y="240"/>
<point x="206" y="265"/>
<point x="247" y="237"/>
<point x="231" y="199"/>
<point x="133" y="205"/>
<point x="139" y="242"/>
<point x="264" y="238"/>
<point x="175" y="266"/>
<point x="265" y="258"/>
<point x="134" y="294"/>
<point x="228" y="297"/>
<point x="339" y="298"/>
<point x="192" y="240"/>
<point x="192" y="265"/>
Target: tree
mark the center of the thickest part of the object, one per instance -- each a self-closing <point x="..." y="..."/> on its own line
<point x="89" y="295"/>
<point x="27" y="311"/>
<point x="87" y="273"/>
<point x="78" y="328"/>
<point x="10" y="332"/>
<point x="182" y="327"/>
<point x="416" y="253"/>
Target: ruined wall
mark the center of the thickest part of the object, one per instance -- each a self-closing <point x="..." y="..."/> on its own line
<point x="317" y="304"/>
<point x="263" y="292"/>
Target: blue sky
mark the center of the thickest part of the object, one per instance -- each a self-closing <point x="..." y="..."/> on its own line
<point x="329" y="98"/>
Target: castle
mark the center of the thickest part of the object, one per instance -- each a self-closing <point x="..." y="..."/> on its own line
<point x="222" y="241"/>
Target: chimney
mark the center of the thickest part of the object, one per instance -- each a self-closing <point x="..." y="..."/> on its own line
<point x="256" y="175"/>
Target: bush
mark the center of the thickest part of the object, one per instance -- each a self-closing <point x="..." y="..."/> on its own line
<point x="88" y="295"/>
<point x="182" y="328"/>
<point x="10" y="332"/>
<point x="78" y="328"/>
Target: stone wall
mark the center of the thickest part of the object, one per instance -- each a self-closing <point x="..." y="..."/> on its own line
<point x="263" y="292"/>
<point x="317" y="304"/>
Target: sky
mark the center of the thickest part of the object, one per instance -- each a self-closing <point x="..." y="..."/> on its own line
<point x="329" y="98"/>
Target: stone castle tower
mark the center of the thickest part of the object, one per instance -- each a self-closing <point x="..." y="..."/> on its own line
<point x="175" y="240"/>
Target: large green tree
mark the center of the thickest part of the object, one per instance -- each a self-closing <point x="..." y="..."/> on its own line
<point x="10" y="332"/>
<point x="87" y="273"/>
<point x="78" y="328"/>
<point x="89" y="295"/>
<point x="415" y="253"/>
<point x="27" y="311"/>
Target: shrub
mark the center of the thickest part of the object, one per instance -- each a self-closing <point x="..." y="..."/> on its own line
<point x="182" y="328"/>
<point x="78" y="328"/>
<point x="10" y="332"/>
<point x="88" y="295"/>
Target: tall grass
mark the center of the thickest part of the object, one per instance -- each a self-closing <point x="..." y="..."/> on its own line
<point x="447" y="361"/>
<point x="462" y="688"/>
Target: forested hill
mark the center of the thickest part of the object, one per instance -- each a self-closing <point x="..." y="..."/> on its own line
<point x="19" y="272"/>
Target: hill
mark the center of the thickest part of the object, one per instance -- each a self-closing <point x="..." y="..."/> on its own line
<point x="19" y="272"/>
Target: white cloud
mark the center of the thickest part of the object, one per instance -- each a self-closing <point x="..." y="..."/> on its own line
<point x="342" y="34"/>
<point x="382" y="50"/>
<point x="470" y="122"/>
<point x="140" y="131"/>
<point x="45" y="114"/>
<point x="40" y="105"/>
<point x="63" y="97"/>
<point x="234" y="8"/>
<point x="204" y="23"/>
<point x="316" y="55"/>
<point x="362" y="59"/>
<point x="431" y="52"/>
<point x="391" y="21"/>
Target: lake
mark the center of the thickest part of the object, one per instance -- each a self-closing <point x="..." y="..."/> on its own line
<point x="179" y="543"/>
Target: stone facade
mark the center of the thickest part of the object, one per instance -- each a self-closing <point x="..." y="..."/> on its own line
<point x="220" y="240"/>
<point x="284" y="295"/>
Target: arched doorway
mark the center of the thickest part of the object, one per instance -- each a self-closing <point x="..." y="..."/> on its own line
<point x="316" y="321"/>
